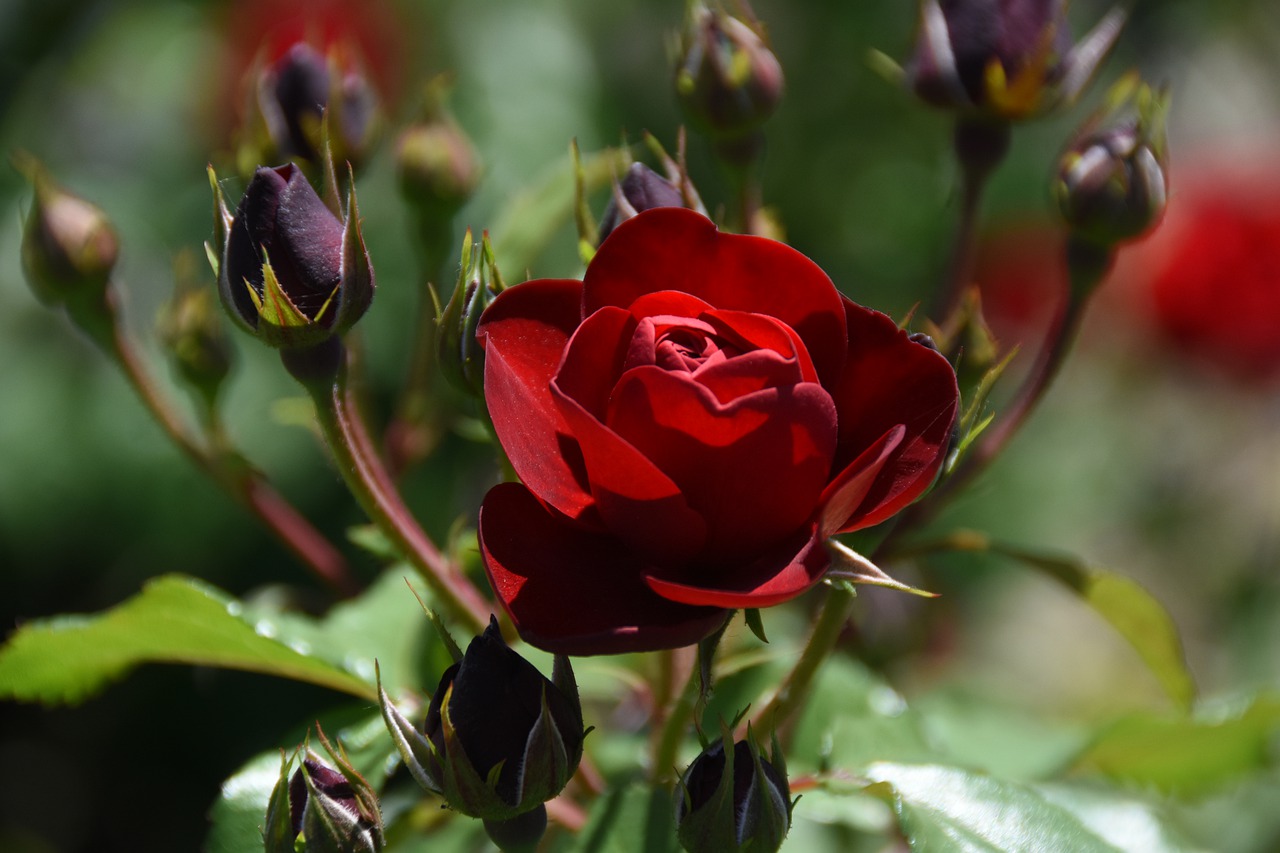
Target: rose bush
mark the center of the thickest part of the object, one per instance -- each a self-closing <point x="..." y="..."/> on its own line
<point x="690" y="422"/>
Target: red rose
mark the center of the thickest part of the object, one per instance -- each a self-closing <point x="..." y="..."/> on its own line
<point x="690" y="423"/>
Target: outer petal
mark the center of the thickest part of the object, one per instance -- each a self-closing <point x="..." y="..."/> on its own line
<point x="890" y="380"/>
<point x="577" y="593"/>
<point x="524" y="333"/>
<point x="780" y="575"/>
<point x="676" y="249"/>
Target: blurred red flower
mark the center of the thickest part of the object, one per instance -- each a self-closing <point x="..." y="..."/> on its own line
<point x="1210" y="276"/>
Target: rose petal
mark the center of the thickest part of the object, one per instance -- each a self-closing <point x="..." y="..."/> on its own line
<point x="637" y="501"/>
<point x="753" y="469"/>
<point x="891" y="380"/>
<point x="574" y="592"/>
<point x="524" y="333"/>
<point x="849" y="489"/>
<point x="782" y="574"/>
<point x="676" y="249"/>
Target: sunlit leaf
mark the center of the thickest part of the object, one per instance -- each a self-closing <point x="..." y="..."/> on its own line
<point x="1187" y="756"/>
<point x="175" y="619"/>
<point x="949" y="810"/>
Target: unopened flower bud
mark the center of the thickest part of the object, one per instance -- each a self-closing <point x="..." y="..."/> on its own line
<point x="192" y="330"/>
<point x="437" y="165"/>
<point x="731" y="799"/>
<point x="641" y="189"/>
<point x="728" y="80"/>
<point x="461" y="356"/>
<point x="69" y="247"/>
<point x="1005" y="59"/>
<point x="1112" y="184"/>
<point x="499" y="739"/>
<point x="292" y="96"/>
<point x="292" y="272"/>
<point x="322" y="809"/>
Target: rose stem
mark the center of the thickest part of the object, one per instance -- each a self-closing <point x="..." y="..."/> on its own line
<point x="822" y="640"/>
<point x="371" y="484"/>
<point x="667" y="745"/>
<point x="980" y="146"/>
<point x="409" y="435"/>
<point x="317" y="554"/>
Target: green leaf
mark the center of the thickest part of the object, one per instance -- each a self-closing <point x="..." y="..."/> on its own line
<point x="631" y="819"/>
<point x="949" y="810"/>
<point x="240" y="811"/>
<point x="1187" y="756"/>
<point x="1130" y="609"/>
<point x="1122" y="820"/>
<point x="175" y="619"/>
<point x="384" y="623"/>
<point x="853" y="718"/>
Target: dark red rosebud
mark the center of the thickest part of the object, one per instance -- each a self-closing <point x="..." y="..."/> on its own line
<point x="1112" y="183"/>
<point x="298" y="85"/>
<point x="293" y="97"/>
<point x="640" y="189"/>
<point x="1007" y="59"/>
<point x="292" y="271"/>
<point x="728" y="81"/>
<point x="499" y="738"/>
<point x="733" y="800"/>
<point x="321" y="809"/>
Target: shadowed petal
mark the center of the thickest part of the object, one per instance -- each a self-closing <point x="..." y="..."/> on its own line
<point x="891" y="380"/>
<point x="574" y="592"/>
<point x="524" y="333"/>
<point x="780" y="575"/>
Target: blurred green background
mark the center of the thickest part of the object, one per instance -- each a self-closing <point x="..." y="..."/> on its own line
<point x="1140" y="460"/>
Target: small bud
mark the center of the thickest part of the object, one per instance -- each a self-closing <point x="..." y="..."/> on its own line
<point x="435" y="161"/>
<point x="1112" y="184"/>
<point x="69" y="247"/>
<point x="290" y="101"/>
<point x="728" y="81"/>
<point x="291" y="271"/>
<point x="322" y="809"/>
<point x="461" y="356"/>
<point x="499" y="739"/>
<point x="1004" y="59"/>
<point x="192" y="331"/>
<point x="731" y="799"/>
<point x="641" y="189"/>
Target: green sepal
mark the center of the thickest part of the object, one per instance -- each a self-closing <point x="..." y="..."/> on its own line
<point x="416" y="751"/>
<point x="463" y="787"/>
<point x="706" y="659"/>
<point x="222" y="220"/>
<point x="277" y="832"/>
<point x="545" y="768"/>
<point x="563" y="678"/>
<point x="850" y="566"/>
<point x="588" y="229"/>
<point x="280" y="323"/>
<point x="357" y="270"/>
<point x="767" y="810"/>
<point x="366" y="798"/>
<point x="329" y="190"/>
<point x="713" y="825"/>
<point x="755" y="622"/>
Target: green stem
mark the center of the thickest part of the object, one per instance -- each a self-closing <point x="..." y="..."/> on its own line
<point x="372" y="485"/>
<point x="822" y="641"/>
<point x="241" y="482"/>
<point x="666" y="748"/>
<point x="980" y="146"/>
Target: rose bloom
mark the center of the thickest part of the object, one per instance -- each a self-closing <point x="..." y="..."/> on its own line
<point x="1209" y="278"/>
<point x="690" y="422"/>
